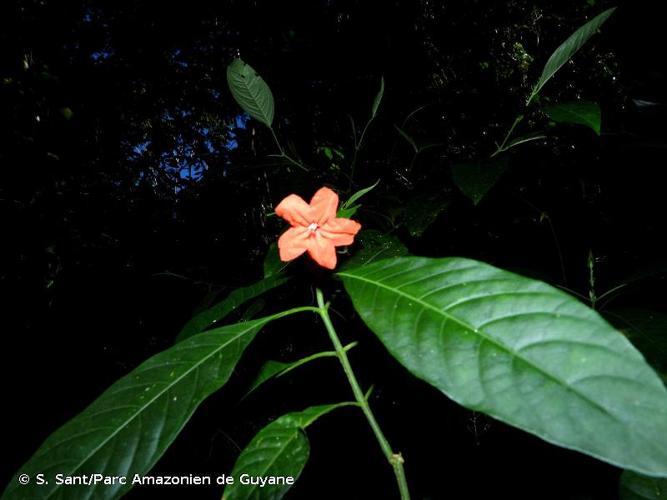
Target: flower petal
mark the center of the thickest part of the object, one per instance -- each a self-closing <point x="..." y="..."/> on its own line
<point x="295" y="211"/>
<point x="324" y="205"/>
<point x="337" y="239"/>
<point x="322" y="251"/>
<point x="337" y="225"/>
<point x="293" y="243"/>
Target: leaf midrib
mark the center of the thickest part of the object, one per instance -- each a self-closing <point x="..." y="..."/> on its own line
<point x="487" y="338"/>
<point x="157" y="396"/>
<point x="254" y="97"/>
<point x="293" y="435"/>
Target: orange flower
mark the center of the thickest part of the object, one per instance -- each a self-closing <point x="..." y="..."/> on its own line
<point x="315" y="228"/>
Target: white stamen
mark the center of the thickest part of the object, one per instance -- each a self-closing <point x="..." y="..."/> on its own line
<point x="313" y="227"/>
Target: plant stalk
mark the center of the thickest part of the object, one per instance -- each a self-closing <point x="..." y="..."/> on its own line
<point x="284" y="155"/>
<point x="394" y="459"/>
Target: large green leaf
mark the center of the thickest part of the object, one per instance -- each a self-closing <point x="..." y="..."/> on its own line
<point x="580" y="112"/>
<point x="634" y="486"/>
<point x="519" y="350"/>
<point x="250" y="91"/>
<point x="126" y="430"/>
<point x="568" y="48"/>
<point x="280" y="449"/>
<point x="199" y="322"/>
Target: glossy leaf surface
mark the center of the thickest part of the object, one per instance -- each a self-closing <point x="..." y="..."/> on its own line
<point x="250" y="91"/>
<point x="568" y="48"/>
<point x="519" y="350"/>
<point x="128" y="428"/>
<point x="199" y="322"/>
<point x="279" y="449"/>
<point x="580" y="113"/>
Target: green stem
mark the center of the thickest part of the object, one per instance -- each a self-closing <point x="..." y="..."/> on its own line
<point x="284" y="155"/>
<point x="502" y="147"/>
<point x="394" y="459"/>
<point x="294" y="310"/>
<point x="275" y="138"/>
<point x="357" y="148"/>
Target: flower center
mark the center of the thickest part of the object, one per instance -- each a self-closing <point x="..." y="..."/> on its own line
<point x="313" y="227"/>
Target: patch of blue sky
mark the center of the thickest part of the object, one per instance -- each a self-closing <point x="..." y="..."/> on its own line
<point x="101" y="55"/>
<point x="239" y="122"/>
<point x="175" y="56"/>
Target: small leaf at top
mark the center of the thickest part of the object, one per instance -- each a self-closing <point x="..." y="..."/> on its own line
<point x="580" y="113"/>
<point x="250" y="91"/>
<point x="568" y="48"/>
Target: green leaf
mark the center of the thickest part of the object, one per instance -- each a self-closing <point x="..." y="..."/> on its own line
<point x="348" y="208"/>
<point x="375" y="246"/>
<point x="475" y="179"/>
<point x="280" y="449"/>
<point x="523" y="139"/>
<point x="378" y="99"/>
<point x="253" y="310"/>
<point x="580" y="113"/>
<point x="272" y="369"/>
<point x="347" y="213"/>
<point x="67" y="113"/>
<point x="269" y="370"/>
<point x="647" y="330"/>
<point x="568" y="48"/>
<point x="405" y="136"/>
<point x="422" y="211"/>
<point x="250" y="91"/>
<point x="634" y="486"/>
<point x="199" y="322"/>
<point x="272" y="263"/>
<point x="519" y="350"/>
<point x="126" y="430"/>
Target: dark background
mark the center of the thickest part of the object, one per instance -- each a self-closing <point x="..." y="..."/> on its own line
<point x="129" y="195"/>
